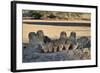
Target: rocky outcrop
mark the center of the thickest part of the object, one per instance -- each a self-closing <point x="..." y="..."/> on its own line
<point x="42" y="49"/>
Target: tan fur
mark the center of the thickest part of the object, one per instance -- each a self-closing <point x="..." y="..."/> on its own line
<point x="60" y="46"/>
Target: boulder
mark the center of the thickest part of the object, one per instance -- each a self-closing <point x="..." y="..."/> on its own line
<point x="84" y="42"/>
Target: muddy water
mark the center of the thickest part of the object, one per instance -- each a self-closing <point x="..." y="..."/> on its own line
<point x="54" y="31"/>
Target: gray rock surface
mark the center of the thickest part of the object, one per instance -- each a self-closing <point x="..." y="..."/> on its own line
<point x="36" y="55"/>
<point x="84" y="42"/>
<point x="34" y="52"/>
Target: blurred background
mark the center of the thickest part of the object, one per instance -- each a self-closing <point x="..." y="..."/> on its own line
<point x="53" y="22"/>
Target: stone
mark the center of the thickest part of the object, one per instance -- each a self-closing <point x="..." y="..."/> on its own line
<point x="84" y="42"/>
<point x="86" y="53"/>
<point x="33" y="40"/>
<point x="42" y="49"/>
<point x="34" y="43"/>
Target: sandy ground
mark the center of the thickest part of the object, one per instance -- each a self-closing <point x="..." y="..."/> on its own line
<point x="54" y="31"/>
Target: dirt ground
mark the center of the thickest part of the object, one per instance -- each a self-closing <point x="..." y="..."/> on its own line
<point x="54" y="31"/>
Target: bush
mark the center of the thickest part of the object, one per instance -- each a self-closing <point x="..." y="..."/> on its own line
<point x="35" y="15"/>
<point x="52" y="16"/>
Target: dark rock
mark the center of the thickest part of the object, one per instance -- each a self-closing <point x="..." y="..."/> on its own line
<point x="47" y="39"/>
<point x="84" y="42"/>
